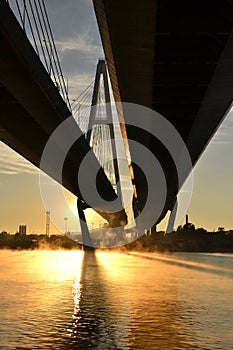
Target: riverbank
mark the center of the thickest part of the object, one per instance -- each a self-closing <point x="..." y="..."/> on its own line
<point x="33" y="241"/>
<point x="178" y="241"/>
<point x="185" y="241"/>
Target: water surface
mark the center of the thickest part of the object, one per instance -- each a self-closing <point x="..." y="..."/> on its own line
<point x="70" y="300"/>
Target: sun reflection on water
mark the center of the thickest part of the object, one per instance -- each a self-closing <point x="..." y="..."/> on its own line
<point x="57" y="265"/>
<point x="77" y="290"/>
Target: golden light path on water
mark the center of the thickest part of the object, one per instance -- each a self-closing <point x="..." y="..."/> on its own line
<point x="60" y="265"/>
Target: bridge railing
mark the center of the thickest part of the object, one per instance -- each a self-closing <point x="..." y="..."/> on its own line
<point x="33" y="18"/>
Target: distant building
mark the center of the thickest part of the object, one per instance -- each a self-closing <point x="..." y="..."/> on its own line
<point x="23" y="229"/>
<point x="3" y="234"/>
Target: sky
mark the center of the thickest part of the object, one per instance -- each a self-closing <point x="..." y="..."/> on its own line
<point x="79" y="47"/>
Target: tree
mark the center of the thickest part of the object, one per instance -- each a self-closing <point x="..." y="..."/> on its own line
<point x="179" y="228"/>
<point x="189" y="227"/>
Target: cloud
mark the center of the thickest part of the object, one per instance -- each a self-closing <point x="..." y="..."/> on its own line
<point x="77" y="41"/>
<point x="68" y="17"/>
<point x="224" y="133"/>
<point x="84" y="43"/>
<point x="12" y="163"/>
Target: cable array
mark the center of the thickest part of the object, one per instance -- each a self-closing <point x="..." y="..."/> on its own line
<point x="81" y="109"/>
<point x="33" y="18"/>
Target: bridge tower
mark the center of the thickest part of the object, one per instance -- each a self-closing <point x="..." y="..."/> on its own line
<point x="101" y="81"/>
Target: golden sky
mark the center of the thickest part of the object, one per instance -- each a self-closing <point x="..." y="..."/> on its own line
<point x="210" y="207"/>
<point x="79" y="47"/>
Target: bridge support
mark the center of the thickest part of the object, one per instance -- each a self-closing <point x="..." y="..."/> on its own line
<point x="87" y="240"/>
<point x="153" y="230"/>
<point x="172" y="218"/>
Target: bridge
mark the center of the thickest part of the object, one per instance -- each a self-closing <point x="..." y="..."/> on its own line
<point x="175" y="57"/>
<point x="34" y="102"/>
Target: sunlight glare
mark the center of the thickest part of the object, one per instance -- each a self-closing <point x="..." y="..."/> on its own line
<point x="59" y="265"/>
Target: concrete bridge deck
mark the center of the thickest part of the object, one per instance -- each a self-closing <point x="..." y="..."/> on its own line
<point x="176" y="57"/>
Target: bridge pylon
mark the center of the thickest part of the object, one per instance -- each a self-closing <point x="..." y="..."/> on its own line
<point x="101" y="118"/>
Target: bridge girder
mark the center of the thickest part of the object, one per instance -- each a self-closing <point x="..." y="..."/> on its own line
<point x="175" y="57"/>
<point x="31" y="108"/>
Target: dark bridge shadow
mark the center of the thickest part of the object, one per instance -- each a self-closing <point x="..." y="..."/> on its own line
<point x="91" y="327"/>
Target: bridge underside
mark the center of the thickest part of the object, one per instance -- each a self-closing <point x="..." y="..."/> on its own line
<point x="31" y="108"/>
<point x="176" y="57"/>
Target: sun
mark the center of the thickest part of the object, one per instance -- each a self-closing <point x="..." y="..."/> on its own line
<point x="94" y="220"/>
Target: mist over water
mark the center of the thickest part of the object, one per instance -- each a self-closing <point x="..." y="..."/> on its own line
<point x="71" y="300"/>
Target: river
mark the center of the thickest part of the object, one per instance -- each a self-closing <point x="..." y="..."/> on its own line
<point x="71" y="300"/>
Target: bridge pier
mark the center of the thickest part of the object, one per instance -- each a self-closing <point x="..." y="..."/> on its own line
<point x="87" y="240"/>
<point x="172" y="218"/>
